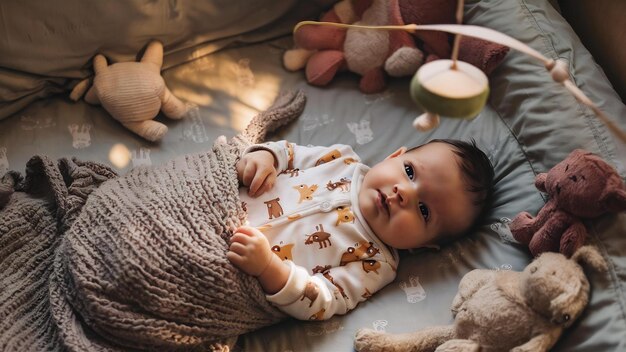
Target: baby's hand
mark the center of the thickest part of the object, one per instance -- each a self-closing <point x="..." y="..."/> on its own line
<point x="257" y="172"/>
<point x="250" y="251"/>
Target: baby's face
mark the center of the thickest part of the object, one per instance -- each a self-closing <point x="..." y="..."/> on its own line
<point x="412" y="197"/>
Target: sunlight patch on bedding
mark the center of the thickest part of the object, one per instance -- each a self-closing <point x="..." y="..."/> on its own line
<point x="119" y="155"/>
<point x="251" y="101"/>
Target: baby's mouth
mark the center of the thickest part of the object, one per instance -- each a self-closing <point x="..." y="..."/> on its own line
<point x="381" y="201"/>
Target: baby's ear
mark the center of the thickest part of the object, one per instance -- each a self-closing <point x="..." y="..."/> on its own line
<point x="398" y="152"/>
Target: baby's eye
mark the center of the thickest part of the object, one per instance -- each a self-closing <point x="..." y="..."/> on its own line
<point x="409" y="171"/>
<point x="424" y="211"/>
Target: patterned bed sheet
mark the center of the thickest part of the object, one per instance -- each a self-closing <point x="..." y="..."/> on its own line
<point x="529" y="124"/>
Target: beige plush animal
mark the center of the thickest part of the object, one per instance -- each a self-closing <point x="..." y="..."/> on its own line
<point x="504" y="310"/>
<point x="134" y="92"/>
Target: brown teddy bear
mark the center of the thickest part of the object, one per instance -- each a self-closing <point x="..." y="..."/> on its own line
<point x="504" y="310"/>
<point x="583" y="186"/>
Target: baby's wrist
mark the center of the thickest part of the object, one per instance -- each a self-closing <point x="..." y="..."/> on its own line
<point x="274" y="161"/>
<point x="264" y="270"/>
<point x="274" y="277"/>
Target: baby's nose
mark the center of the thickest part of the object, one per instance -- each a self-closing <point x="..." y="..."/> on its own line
<point x="403" y="194"/>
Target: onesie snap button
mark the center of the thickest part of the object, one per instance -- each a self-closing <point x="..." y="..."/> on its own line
<point x="326" y="206"/>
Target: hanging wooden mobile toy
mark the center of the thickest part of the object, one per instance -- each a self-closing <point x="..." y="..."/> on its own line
<point x="457" y="89"/>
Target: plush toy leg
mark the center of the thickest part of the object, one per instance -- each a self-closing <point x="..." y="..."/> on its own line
<point x="148" y="129"/>
<point x="368" y="340"/>
<point x="573" y="238"/>
<point x="459" y="345"/>
<point x="545" y="240"/>
<point x="296" y="59"/>
<point x="373" y="81"/>
<point x="323" y="66"/>
<point x="172" y="107"/>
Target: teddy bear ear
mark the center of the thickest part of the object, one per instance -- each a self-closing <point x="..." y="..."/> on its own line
<point x="615" y="200"/>
<point x="540" y="182"/>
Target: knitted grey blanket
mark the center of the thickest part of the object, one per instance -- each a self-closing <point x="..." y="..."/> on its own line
<point x="90" y="260"/>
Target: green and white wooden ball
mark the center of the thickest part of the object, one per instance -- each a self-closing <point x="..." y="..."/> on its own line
<point x="441" y="90"/>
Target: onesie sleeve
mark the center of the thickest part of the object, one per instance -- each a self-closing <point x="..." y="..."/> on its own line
<point x="334" y="291"/>
<point x="290" y="156"/>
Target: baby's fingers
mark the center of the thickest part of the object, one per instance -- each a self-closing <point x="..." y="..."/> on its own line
<point x="258" y="181"/>
<point x="239" y="237"/>
<point x="245" y="230"/>
<point x="238" y="248"/>
<point x="249" y="173"/>
<point x="235" y="258"/>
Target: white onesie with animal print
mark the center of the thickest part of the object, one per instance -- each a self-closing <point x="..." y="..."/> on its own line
<point x="312" y="220"/>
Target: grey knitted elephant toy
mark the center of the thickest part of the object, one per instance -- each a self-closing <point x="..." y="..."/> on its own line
<point x="504" y="310"/>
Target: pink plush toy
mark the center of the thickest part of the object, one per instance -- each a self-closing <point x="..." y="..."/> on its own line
<point x="324" y="51"/>
<point x="372" y="54"/>
<point x="583" y="186"/>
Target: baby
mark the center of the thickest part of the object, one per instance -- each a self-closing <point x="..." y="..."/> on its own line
<point x="325" y="227"/>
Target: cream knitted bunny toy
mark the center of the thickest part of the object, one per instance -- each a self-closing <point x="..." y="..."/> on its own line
<point x="134" y="92"/>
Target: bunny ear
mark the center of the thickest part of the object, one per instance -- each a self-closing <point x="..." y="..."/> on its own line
<point x="590" y="257"/>
<point x="154" y="53"/>
<point x="615" y="200"/>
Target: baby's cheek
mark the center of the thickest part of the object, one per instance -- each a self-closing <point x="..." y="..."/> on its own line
<point x="408" y="225"/>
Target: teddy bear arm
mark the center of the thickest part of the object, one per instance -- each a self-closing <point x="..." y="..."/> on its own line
<point x="523" y="227"/>
<point x="541" y="342"/>
<point x="573" y="238"/>
<point x="171" y="106"/>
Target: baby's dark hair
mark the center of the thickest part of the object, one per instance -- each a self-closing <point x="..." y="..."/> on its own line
<point x="478" y="175"/>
